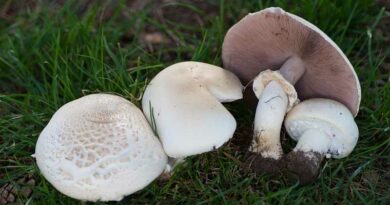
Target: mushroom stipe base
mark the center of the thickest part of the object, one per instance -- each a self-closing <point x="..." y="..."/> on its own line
<point x="303" y="165"/>
<point x="297" y="165"/>
<point x="260" y="164"/>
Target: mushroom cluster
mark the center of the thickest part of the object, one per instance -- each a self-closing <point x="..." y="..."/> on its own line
<point x="103" y="140"/>
<point x="286" y="58"/>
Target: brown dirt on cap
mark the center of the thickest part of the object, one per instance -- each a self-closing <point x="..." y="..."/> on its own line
<point x="303" y="165"/>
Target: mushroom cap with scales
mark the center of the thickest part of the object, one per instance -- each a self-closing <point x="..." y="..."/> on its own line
<point x="99" y="147"/>
<point x="268" y="38"/>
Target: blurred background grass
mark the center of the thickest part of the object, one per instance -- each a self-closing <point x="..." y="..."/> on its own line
<point x="52" y="52"/>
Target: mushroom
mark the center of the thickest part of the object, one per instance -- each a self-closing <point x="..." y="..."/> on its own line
<point x="99" y="147"/>
<point x="323" y="128"/>
<point x="286" y="57"/>
<point x="184" y="102"/>
<point x="276" y="97"/>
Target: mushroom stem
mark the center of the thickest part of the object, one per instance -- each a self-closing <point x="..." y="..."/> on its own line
<point x="292" y="69"/>
<point x="276" y="95"/>
<point x="270" y="113"/>
<point x="172" y="163"/>
<point x="305" y="160"/>
<point x="169" y="169"/>
<point x="266" y="148"/>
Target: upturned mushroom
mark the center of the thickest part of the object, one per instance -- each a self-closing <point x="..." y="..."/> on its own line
<point x="184" y="102"/>
<point x="290" y="58"/>
<point x="323" y="128"/>
<point x="99" y="147"/>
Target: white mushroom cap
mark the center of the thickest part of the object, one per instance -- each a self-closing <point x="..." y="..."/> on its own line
<point x="339" y="132"/>
<point x="99" y="147"/>
<point x="186" y="102"/>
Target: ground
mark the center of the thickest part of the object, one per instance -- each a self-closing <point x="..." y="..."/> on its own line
<point x="52" y="52"/>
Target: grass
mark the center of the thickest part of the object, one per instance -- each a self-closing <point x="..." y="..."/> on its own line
<point x="52" y="53"/>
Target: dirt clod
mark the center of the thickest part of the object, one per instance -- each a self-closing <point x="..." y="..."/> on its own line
<point x="261" y="164"/>
<point x="304" y="165"/>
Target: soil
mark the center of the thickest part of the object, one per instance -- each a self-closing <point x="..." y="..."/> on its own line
<point x="260" y="164"/>
<point x="304" y="166"/>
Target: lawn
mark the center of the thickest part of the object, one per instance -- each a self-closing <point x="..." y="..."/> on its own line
<point x="52" y="52"/>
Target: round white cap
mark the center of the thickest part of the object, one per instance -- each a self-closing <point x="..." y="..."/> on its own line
<point x="99" y="147"/>
<point x="331" y="118"/>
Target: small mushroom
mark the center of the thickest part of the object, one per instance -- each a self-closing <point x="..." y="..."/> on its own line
<point x="285" y="57"/>
<point x="323" y="128"/>
<point x="99" y="147"/>
<point x="184" y="102"/>
<point x="276" y="97"/>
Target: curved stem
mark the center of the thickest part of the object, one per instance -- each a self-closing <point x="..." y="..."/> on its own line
<point x="313" y="140"/>
<point x="305" y="160"/>
<point x="269" y="117"/>
<point x="292" y="69"/>
<point x="266" y="150"/>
